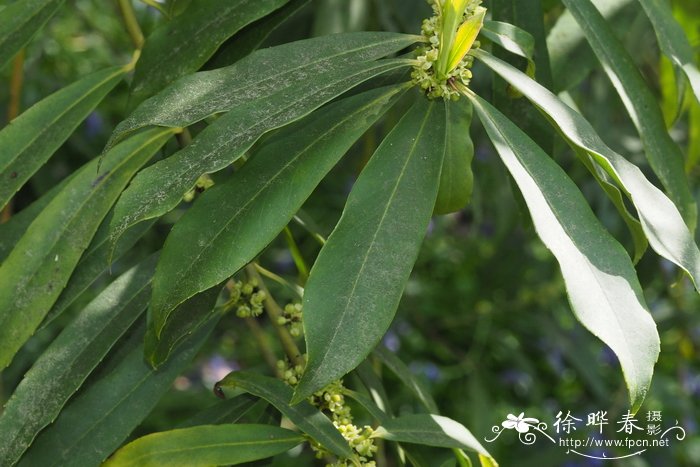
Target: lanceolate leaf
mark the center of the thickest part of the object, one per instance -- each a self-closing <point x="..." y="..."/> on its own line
<point x="20" y="21"/>
<point x="356" y="283"/>
<point x="304" y="415"/>
<point x="673" y="41"/>
<point x="105" y="412"/>
<point x="70" y="358"/>
<point x="226" y="411"/>
<point x="206" y="445"/>
<point x="160" y="187"/>
<point x="663" y="154"/>
<point x="667" y="233"/>
<point x="399" y="368"/>
<point x="29" y="140"/>
<point x="430" y="430"/>
<point x="263" y="73"/>
<point x="182" y="45"/>
<point x="600" y="280"/>
<point x="456" y="177"/>
<point x="233" y="221"/>
<point x="35" y="272"/>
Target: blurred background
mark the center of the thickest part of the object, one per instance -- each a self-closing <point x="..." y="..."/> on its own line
<point x="484" y="322"/>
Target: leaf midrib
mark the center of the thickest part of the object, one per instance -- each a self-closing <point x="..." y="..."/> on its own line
<point x="340" y="322"/>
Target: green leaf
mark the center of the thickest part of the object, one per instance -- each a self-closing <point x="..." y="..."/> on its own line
<point x="673" y="42"/>
<point x="181" y="46"/>
<point x="71" y="357"/>
<point x="601" y="282"/>
<point x="235" y="220"/>
<point x="430" y="430"/>
<point x="367" y="404"/>
<point x="465" y="37"/>
<point x="304" y="415"/>
<point x="664" y="227"/>
<point x="160" y="187"/>
<point x="361" y="271"/>
<point x="30" y="139"/>
<point x="399" y="368"/>
<point x="35" y="272"/>
<point x="254" y="35"/>
<point x="456" y="177"/>
<point x="12" y="230"/>
<point x="94" y="263"/>
<point x="105" y="412"/>
<point x="185" y="319"/>
<point x="257" y="76"/>
<point x="206" y="445"/>
<point x="20" y="21"/>
<point x="513" y="39"/>
<point x="663" y="154"/>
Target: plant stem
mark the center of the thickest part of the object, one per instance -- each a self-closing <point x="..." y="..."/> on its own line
<point x="16" y="81"/>
<point x="275" y="312"/>
<point x="132" y="25"/>
<point x="263" y="344"/>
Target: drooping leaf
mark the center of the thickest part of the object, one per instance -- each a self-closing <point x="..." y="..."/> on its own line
<point x="456" y="177"/>
<point x="664" y="227"/>
<point x="160" y="187"/>
<point x="185" y="319"/>
<point x="601" y="282"/>
<point x="37" y="269"/>
<point x="261" y="74"/>
<point x="105" y="412"/>
<point x="430" y="430"/>
<point x="30" y="139"/>
<point x="254" y="35"/>
<point x="70" y="358"/>
<point x="663" y="154"/>
<point x="673" y="42"/>
<point x="304" y="415"/>
<point x="233" y="221"/>
<point x="356" y="283"/>
<point x="20" y="21"/>
<point x="206" y="445"/>
<point x="182" y="45"/>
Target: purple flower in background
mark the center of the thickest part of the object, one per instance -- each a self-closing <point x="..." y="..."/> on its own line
<point x="391" y="341"/>
<point x="93" y="125"/>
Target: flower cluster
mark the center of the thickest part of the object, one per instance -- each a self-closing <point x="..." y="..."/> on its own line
<point x="292" y="319"/>
<point x="424" y="72"/>
<point x="246" y="299"/>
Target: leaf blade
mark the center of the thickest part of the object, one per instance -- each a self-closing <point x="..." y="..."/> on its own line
<point x="49" y="122"/>
<point x="664" y="227"/>
<point x="245" y="213"/>
<point x="182" y="45"/>
<point x="160" y="187"/>
<point x="304" y="415"/>
<point x="601" y="283"/>
<point x="206" y="445"/>
<point x="20" y="21"/>
<point x="32" y="276"/>
<point x="386" y="216"/>
<point x="70" y="358"/>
